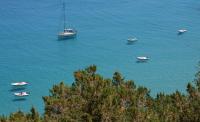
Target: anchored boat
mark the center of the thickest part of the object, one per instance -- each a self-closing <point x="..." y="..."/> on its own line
<point x="19" y="83"/>
<point x="68" y="32"/>
<point x="142" y="58"/>
<point x="181" y="31"/>
<point x="21" y="94"/>
<point x="132" y="39"/>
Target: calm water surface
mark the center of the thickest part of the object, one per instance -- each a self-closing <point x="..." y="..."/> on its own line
<point x="29" y="50"/>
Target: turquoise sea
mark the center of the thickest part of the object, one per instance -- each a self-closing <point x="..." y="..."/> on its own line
<point x="30" y="51"/>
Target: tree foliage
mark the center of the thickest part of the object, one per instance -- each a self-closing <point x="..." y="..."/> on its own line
<point x="92" y="98"/>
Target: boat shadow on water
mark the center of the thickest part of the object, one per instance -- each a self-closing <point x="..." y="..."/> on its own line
<point x="130" y="43"/>
<point x="145" y="61"/>
<point x="14" y="89"/>
<point x="17" y="89"/>
<point x="19" y="99"/>
<point x="179" y="33"/>
<point x="66" y="38"/>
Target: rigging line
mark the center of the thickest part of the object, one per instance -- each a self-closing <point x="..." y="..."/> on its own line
<point x="60" y="24"/>
<point x="64" y="15"/>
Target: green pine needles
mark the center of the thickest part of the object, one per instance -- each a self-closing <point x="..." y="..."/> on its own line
<point x="93" y="98"/>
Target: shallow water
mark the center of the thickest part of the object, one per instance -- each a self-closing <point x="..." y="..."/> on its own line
<point x="29" y="50"/>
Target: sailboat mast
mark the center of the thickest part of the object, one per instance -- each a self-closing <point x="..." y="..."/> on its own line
<point x="64" y="14"/>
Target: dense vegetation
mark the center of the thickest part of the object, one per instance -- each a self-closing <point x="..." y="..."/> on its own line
<point x="94" y="98"/>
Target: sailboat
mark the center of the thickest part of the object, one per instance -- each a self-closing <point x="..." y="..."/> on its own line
<point x="68" y="32"/>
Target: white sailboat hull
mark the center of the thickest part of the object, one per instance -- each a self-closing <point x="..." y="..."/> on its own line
<point x="66" y="35"/>
<point x="68" y="32"/>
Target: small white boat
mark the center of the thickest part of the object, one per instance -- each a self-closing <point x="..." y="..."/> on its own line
<point x="131" y="40"/>
<point x="67" y="33"/>
<point x="142" y="58"/>
<point x="19" y="83"/>
<point x="21" y="94"/>
<point x="182" y="31"/>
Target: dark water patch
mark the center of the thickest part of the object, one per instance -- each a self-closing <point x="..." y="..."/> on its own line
<point x="130" y="43"/>
<point x="17" y="89"/>
<point x="145" y="61"/>
<point x="19" y="99"/>
<point x="179" y="33"/>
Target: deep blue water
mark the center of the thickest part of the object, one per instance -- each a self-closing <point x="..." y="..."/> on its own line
<point x="29" y="50"/>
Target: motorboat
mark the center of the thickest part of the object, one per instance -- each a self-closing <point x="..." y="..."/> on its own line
<point x="181" y="31"/>
<point x="19" y="83"/>
<point x="21" y="94"/>
<point x="131" y="40"/>
<point x="142" y="58"/>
